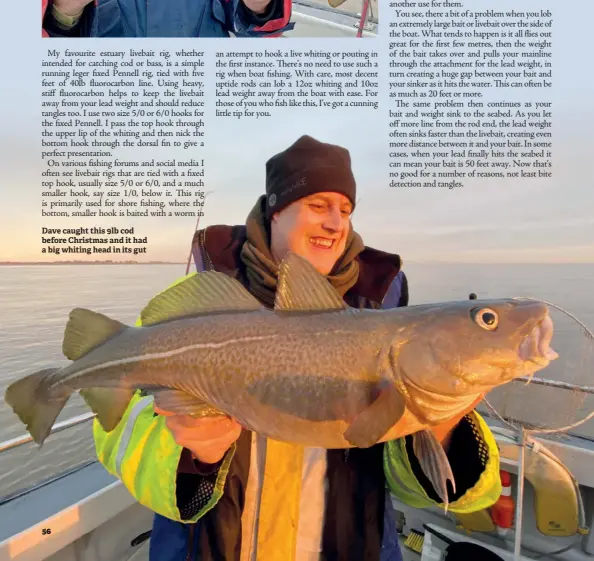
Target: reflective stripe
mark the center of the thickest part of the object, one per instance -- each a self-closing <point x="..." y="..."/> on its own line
<point x="198" y="259"/>
<point x="393" y="473"/>
<point x="127" y="432"/>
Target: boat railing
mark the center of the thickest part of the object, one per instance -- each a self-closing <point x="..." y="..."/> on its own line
<point x="79" y="419"/>
<point x="58" y="427"/>
<point x="323" y="8"/>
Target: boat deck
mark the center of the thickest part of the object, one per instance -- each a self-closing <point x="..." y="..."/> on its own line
<point x="86" y="515"/>
<point x="17" y="515"/>
<point x="91" y="516"/>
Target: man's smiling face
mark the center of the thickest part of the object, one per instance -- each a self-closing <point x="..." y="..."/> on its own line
<point x="314" y="227"/>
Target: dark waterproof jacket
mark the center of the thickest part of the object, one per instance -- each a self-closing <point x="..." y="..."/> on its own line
<point x="174" y="18"/>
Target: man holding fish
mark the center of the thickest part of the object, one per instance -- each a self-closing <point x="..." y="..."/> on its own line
<point x="280" y="405"/>
<point x="175" y="18"/>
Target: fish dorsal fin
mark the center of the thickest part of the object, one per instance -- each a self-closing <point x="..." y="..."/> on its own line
<point x="87" y="330"/>
<point x="301" y="288"/>
<point x="200" y="294"/>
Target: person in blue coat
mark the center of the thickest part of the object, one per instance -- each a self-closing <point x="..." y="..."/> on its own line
<point x="171" y="18"/>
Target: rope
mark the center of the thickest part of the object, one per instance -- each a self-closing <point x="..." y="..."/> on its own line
<point x="496" y="413"/>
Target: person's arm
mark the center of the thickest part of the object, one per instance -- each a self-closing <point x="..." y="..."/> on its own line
<point x="173" y="464"/>
<point x="473" y="457"/>
<point x="143" y="453"/>
<point x="206" y="445"/>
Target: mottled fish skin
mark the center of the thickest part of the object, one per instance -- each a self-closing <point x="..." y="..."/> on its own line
<point x="247" y="364"/>
<point x="303" y="377"/>
<point x="311" y="371"/>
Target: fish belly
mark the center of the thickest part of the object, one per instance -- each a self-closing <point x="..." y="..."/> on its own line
<point x="322" y="434"/>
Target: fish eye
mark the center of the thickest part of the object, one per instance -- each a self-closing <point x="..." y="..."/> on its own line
<point x="485" y="318"/>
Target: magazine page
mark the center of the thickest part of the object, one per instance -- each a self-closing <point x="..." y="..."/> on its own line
<point x="265" y="262"/>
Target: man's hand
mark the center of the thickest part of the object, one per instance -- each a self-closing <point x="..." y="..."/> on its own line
<point x="256" y="6"/>
<point x="208" y="438"/>
<point x="443" y="432"/>
<point x="71" y="7"/>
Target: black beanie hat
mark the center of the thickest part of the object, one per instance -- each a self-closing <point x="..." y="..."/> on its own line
<point x="308" y="166"/>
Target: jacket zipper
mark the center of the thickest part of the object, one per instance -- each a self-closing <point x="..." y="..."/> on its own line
<point x="202" y="245"/>
<point x="190" y="555"/>
<point x="208" y="264"/>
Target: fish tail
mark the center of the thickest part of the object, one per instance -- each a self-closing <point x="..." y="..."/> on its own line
<point x="35" y="404"/>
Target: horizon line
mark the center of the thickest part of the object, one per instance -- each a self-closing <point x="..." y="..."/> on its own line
<point x="405" y="262"/>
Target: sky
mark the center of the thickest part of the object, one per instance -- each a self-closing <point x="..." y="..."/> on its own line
<point x="495" y="221"/>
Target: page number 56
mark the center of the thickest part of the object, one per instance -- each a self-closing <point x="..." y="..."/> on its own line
<point x="46" y="531"/>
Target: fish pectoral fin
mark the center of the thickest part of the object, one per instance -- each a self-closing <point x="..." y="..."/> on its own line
<point x="434" y="463"/>
<point x="368" y="427"/>
<point x="87" y="330"/>
<point x="301" y="288"/>
<point x="109" y="404"/>
<point x="203" y="293"/>
<point x="182" y="403"/>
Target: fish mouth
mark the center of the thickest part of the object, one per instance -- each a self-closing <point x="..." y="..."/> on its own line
<point x="535" y="347"/>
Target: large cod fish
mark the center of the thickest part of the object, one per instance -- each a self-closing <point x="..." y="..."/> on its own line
<point x="311" y="371"/>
